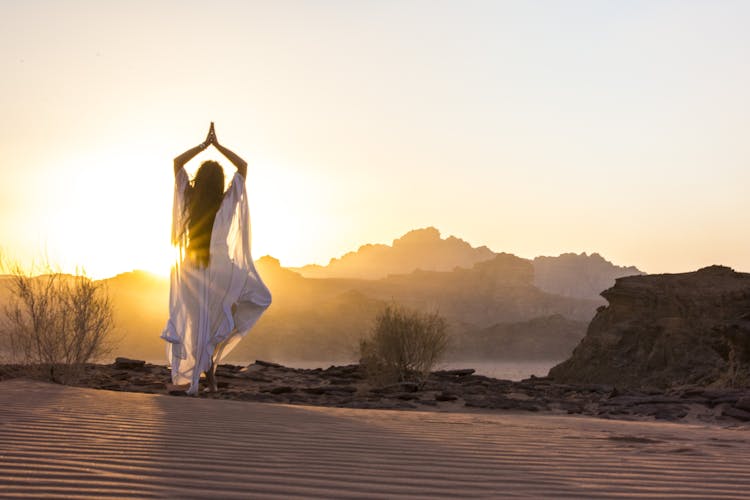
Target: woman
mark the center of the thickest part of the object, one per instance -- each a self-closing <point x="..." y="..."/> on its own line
<point x="216" y="294"/>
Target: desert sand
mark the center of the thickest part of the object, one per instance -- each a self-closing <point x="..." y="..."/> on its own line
<point x="71" y="442"/>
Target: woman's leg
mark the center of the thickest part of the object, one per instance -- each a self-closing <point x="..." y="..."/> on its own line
<point x="211" y="373"/>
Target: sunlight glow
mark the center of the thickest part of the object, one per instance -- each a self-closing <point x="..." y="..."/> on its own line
<point x="532" y="130"/>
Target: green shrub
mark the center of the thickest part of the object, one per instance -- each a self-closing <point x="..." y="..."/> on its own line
<point x="404" y="345"/>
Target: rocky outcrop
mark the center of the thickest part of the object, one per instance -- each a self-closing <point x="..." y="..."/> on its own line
<point x="345" y="386"/>
<point x="668" y="330"/>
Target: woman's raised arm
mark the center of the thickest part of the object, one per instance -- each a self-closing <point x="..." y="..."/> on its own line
<point x="188" y="155"/>
<point x="238" y="162"/>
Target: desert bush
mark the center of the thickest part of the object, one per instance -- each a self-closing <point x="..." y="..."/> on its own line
<point x="57" y="322"/>
<point x="404" y="345"/>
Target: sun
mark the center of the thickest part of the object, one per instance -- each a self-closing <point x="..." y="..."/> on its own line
<point x="105" y="214"/>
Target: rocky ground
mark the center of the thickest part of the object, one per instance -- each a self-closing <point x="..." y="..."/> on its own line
<point x="451" y="390"/>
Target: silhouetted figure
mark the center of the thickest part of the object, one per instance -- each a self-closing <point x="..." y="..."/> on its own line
<point x="216" y="294"/>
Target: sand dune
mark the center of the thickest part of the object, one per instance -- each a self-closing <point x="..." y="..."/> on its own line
<point x="70" y="442"/>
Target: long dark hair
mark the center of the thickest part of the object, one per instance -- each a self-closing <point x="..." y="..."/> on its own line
<point x="203" y="203"/>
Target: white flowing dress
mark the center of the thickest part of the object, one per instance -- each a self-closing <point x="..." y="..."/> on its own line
<point x="214" y="304"/>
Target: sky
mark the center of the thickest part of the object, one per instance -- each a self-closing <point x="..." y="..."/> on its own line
<point x="532" y="127"/>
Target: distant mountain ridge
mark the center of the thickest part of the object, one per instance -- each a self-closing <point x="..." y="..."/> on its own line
<point x="418" y="249"/>
<point x="569" y="274"/>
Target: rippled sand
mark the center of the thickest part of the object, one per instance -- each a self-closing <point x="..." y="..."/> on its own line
<point x="70" y="442"/>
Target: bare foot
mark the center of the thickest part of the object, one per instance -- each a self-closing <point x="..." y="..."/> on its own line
<point x="211" y="380"/>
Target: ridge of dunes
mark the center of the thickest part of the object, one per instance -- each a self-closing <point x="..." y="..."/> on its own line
<point x="77" y="443"/>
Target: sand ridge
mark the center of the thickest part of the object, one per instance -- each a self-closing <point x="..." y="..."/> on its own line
<point x="66" y="442"/>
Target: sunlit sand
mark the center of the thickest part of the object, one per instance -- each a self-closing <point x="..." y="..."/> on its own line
<point x="71" y="442"/>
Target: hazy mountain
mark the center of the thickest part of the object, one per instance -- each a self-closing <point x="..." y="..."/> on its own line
<point x="417" y="249"/>
<point x="548" y="337"/>
<point x="570" y="275"/>
<point x="578" y="275"/>
<point x="497" y="290"/>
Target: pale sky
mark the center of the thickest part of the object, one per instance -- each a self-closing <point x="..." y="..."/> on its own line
<point x="534" y="128"/>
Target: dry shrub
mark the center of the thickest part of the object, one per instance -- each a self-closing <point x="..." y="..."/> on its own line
<point x="57" y="323"/>
<point x="404" y="345"/>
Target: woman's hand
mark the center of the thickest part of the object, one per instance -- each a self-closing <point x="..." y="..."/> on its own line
<point x="185" y="157"/>
<point x="210" y="137"/>
<point x="238" y="162"/>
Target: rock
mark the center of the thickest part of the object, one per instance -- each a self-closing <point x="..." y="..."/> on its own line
<point x="445" y="396"/>
<point x="267" y="364"/>
<point x="254" y="368"/>
<point x="230" y="371"/>
<point x="405" y="396"/>
<point x="393" y="388"/>
<point x="730" y="399"/>
<point x="496" y="403"/>
<point x="743" y="403"/>
<point x="150" y="388"/>
<point x="330" y="389"/>
<point x="342" y="389"/>
<point x="670" y="413"/>
<point x="146" y="382"/>
<point x="737" y="414"/>
<point x="455" y="373"/>
<point x="340" y="381"/>
<point x="667" y="330"/>
<point x="128" y="364"/>
<point x="518" y="396"/>
<point x="315" y="390"/>
<point x="571" y="407"/>
<point x="347" y="371"/>
<point x="281" y="389"/>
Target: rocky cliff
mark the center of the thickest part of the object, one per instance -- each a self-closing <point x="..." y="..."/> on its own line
<point x="667" y="330"/>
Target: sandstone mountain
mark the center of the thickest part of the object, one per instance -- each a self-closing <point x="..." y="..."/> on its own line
<point x="418" y="249"/>
<point x="571" y="275"/>
<point x="668" y="330"/>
